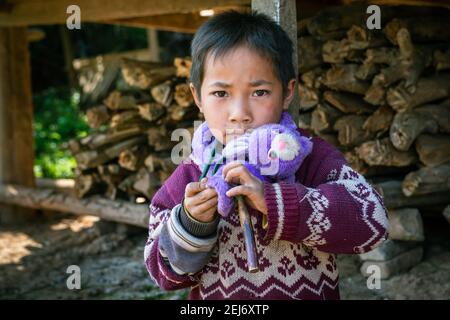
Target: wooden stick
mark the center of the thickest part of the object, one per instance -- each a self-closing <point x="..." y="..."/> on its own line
<point x="249" y="237"/>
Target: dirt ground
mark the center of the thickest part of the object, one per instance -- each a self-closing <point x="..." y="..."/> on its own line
<point x="34" y="260"/>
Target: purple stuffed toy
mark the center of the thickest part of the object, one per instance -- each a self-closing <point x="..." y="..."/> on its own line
<point x="272" y="152"/>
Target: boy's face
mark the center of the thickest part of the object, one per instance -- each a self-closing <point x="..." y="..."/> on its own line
<point x="239" y="92"/>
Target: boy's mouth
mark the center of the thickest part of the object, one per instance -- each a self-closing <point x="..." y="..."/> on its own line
<point x="231" y="134"/>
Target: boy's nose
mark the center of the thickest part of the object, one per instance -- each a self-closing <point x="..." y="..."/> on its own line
<point x="239" y="114"/>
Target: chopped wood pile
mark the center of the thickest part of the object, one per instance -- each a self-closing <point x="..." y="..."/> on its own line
<point x="128" y="151"/>
<point x="383" y="98"/>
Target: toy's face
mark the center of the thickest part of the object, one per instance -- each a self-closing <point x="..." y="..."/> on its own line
<point x="240" y="91"/>
<point x="274" y="149"/>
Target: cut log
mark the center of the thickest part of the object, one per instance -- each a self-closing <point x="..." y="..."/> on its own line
<point x="313" y="78"/>
<point x="421" y="28"/>
<point x="427" y="180"/>
<point x="97" y="116"/>
<point x="388" y="250"/>
<point x="183" y="95"/>
<point x="93" y="158"/>
<point x="163" y="93"/>
<point x="433" y="150"/>
<point x="308" y="97"/>
<point x="376" y="95"/>
<point x="407" y="126"/>
<point x="440" y="113"/>
<point x="347" y="102"/>
<point x="428" y="89"/>
<point x="304" y="120"/>
<point x="383" y="55"/>
<point x="151" y="111"/>
<point x="333" y="22"/>
<point x="342" y="78"/>
<point x="179" y="113"/>
<point x="309" y="53"/>
<point x="323" y="118"/>
<point x="132" y="159"/>
<point x="350" y="130"/>
<point x="146" y="183"/>
<point x="126" y="185"/>
<point x="144" y="75"/>
<point x="96" y="77"/>
<point x="112" y="175"/>
<point x="98" y="140"/>
<point x="393" y="196"/>
<point x="116" y="101"/>
<point x="442" y="60"/>
<point x="405" y="225"/>
<point x="355" y="162"/>
<point x="159" y="139"/>
<point x="124" y="119"/>
<point x="380" y="121"/>
<point x="408" y="63"/>
<point x="401" y="263"/>
<point x="161" y="162"/>
<point x="48" y="199"/>
<point x="88" y="184"/>
<point x="367" y="71"/>
<point x="183" y="66"/>
<point x="383" y="153"/>
<point x="358" y="39"/>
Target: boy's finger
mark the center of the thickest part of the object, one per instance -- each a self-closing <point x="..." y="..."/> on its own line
<point x="205" y="206"/>
<point x="193" y="188"/>
<point x="239" y="190"/>
<point x="203" y="196"/>
<point x="230" y="166"/>
<point x="239" y="173"/>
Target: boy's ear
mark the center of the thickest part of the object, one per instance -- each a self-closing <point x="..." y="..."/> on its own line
<point x="196" y="97"/>
<point x="290" y="90"/>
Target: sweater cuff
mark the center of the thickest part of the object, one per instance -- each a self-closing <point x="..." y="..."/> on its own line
<point x="198" y="228"/>
<point x="283" y="215"/>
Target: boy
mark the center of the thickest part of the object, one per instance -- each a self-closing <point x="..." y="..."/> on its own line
<point x="242" y="77"/>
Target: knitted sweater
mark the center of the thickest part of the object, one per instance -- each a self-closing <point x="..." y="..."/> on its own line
<point x="329" y="209"/>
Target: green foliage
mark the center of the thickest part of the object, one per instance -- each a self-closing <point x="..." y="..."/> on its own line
<point x="57" y="119"/>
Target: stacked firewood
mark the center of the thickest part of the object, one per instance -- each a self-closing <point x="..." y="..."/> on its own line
<point x="128" y="151"/>
<point x="383" y="98"/>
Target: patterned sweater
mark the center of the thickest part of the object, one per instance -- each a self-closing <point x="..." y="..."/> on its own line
<point x="330" y="209"/>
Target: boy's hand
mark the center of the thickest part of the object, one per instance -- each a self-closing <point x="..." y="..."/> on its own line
<point x="200" y="201"/>
<point x="250" y="186"/>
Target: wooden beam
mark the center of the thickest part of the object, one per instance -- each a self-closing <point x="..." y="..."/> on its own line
<point x="48" y="199"/>
<point x="284" y="12"/>
<point x="428" y="3"/>
<point x="16" y="116"/>
<point x="185" y="23"/>
<point x="178" y="22"/>
<point x="36" y="12"/>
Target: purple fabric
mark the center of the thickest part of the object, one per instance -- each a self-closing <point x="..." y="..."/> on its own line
<point x="253" y="149"/>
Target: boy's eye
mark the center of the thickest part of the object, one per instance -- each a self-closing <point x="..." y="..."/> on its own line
<point x="260" y="93"/>
<point x="220" y="94"/>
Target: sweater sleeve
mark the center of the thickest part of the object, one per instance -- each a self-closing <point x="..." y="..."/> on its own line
<point x="338" y="212"/>
<point x="161" y="207"/>
<point x="176" y="248"/>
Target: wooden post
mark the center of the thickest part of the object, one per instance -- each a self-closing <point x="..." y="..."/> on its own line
<point x="153" y="44"/>
<point x="16" y="115"/>
<point x="284" y="12"/>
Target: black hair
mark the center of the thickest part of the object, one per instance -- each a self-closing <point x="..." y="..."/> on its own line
<point x="231" y="29"/>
